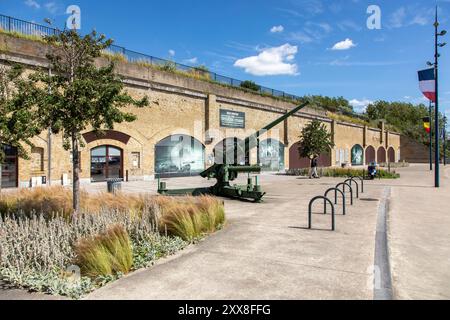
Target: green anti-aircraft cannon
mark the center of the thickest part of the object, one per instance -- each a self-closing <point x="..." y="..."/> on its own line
<point x="226" y="173"/>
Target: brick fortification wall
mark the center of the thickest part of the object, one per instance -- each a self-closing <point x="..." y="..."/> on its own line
<point x="191" y="107"/>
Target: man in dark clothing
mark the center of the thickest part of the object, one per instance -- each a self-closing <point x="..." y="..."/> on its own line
<point x="314" y="165"/>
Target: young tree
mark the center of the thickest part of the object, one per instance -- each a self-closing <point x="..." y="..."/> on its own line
<point x="314" y="140"/>
<point x="17" y="116"/>
<point x="83" y="94"/>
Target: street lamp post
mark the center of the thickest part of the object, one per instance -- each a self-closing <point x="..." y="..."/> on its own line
<point x="445" y="140"/>
<point x="437" y="45"/>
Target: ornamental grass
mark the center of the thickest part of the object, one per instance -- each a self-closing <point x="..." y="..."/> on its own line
<point x="191" y="218"/>
<point x="107" y="253"/>
<point x="40" y="238"/>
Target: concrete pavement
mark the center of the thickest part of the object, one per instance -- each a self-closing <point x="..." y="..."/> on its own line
<point x="265" y="252"/>
<point x="419" y="235"/>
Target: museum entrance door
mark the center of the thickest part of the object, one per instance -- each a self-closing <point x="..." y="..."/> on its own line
<point x="106" y="163"/>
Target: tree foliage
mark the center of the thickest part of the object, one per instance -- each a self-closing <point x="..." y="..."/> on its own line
<point x="247" y="84"/>
<point x="314" y="140"/>
<point x="84" y="95"/>
<point x="405" y="117"/>
<point x="332" y="104"/>
<point x="17" y="113"/>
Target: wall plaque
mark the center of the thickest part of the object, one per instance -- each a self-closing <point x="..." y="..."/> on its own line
<point x="232" y="119"/>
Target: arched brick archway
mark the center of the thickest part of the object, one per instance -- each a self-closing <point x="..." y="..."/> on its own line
<point x="391" y="155"/>
<point x="179" y="156"/>
<point x="357" y="155"/>
<point x="230" y="151"/>
<point x="381" y="155"/>
<point x="295" y="162"/>
<point x="370" y="155"/>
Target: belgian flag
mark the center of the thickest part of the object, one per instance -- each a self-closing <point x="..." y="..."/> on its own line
<point x="427" y="124"/>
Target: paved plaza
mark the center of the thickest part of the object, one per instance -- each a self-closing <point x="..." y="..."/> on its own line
<point x="266" y="252"/>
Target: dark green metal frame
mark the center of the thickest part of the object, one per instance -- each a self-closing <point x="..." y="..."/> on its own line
<point x="226" y="173"/>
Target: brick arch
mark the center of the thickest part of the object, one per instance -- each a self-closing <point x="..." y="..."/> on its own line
<point x="370" y="155"/>
<point x="381" y="155"/>
<point x="107" y="135"/>
<point x="295" y="162"/>
<point x="391" y="155"/>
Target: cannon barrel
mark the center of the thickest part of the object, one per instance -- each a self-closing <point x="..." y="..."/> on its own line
<point x="271" y="125"/>
<point x="245" y="169"/>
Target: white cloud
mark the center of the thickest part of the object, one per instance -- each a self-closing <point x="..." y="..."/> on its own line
<point x="344" y="45"/>
<point x="271" y="61"/>
<point x="301" y="37"/>
<point x="51" y="7"/>
<point x="398" y="17"/>
<point x="411" y="15"/>
<point x="277" y="29"/>
<point x="192" y="60"/>
<point x="360" y="105"/>
<point x="33" y="4"/>
<point x="171" y="52"/>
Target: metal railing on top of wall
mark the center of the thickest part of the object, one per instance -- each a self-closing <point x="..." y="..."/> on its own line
<point x="14" y="25"/>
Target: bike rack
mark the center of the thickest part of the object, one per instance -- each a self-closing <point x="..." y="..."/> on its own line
<point x="336" y="190"/>
<point x="362" y="182"/>
<point x="352" y="180"/>
<point x="311" y="203"/>
<point x="344" y="184"/>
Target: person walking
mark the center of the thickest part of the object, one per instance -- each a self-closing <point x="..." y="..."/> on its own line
<point x="314" y="164"/>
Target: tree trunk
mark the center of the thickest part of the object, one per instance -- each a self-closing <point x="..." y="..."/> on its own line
<point x="76" y="174"/>
<point x="1" y="167"/>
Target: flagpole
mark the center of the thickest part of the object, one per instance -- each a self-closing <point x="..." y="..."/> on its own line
<point x="431" y="139"/>
<point x="436" y="109"/>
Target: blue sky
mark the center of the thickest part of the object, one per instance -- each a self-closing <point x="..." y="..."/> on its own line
<point x="290" y="45"/>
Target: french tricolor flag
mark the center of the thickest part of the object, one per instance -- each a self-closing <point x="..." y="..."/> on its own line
<point x="427" y="83"/>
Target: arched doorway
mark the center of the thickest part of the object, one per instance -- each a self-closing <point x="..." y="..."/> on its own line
<point x="271" y="155"/>
<point x="10" y="168"/>
<point x="370" y="155"/>
<point x="106" y="163"/>
<point x="391" y="155"/>
<point x="295" y="162"/>
<point x="357" y="155"/>
<point x="179" y="156"/>
<point x="381" y="155"/>
<point x="230" y="151"/>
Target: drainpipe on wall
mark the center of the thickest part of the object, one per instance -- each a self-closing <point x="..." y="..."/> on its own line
<point x="382" y="127"/>
<point x="49" y="143"/>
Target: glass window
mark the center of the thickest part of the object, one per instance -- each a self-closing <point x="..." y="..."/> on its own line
<point x="179" y="155"/>
<point x="100" y="151"/>
<point x="106" y="163"/>
<point x="271" y="155"/>
<point x="10" y="167"/>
